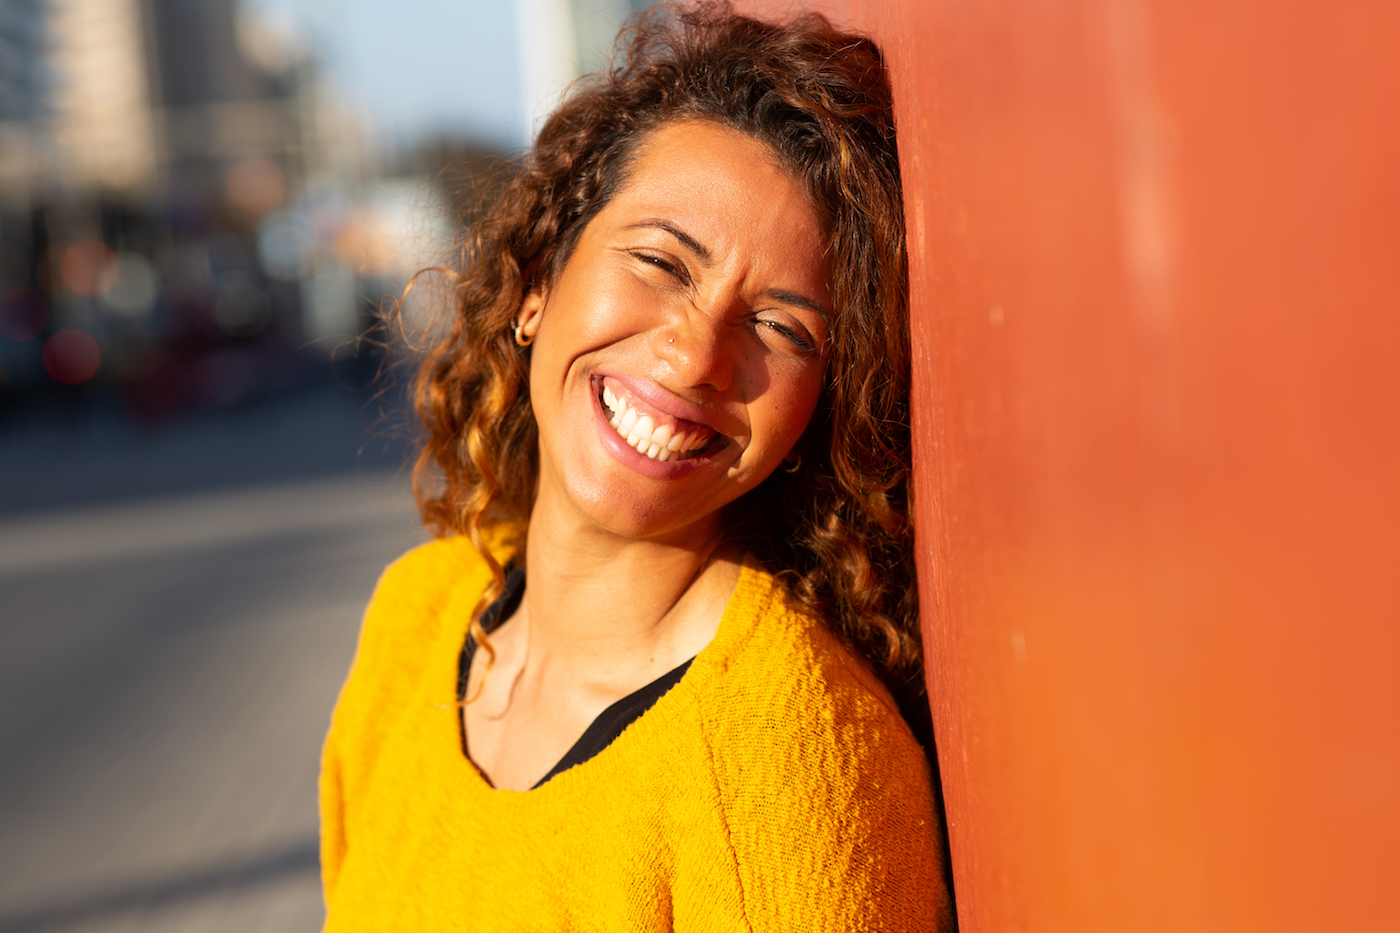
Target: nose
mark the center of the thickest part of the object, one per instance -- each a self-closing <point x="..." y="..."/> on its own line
<point x="700" y="347"/>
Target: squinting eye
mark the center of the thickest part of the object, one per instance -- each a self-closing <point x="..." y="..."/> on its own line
<point x="791" y="335"/>
<point x="663" y="265"/>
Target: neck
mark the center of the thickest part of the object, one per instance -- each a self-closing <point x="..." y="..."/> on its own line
<point x="594" y="595"/>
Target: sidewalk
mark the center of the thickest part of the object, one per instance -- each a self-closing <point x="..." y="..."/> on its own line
<point x="167" y="671"/>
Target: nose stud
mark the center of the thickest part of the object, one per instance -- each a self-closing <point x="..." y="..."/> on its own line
<point x="670" y="339"/>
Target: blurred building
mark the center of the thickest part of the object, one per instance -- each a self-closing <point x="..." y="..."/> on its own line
<point x="25" y="100"/>
<point x="143" y="146"/>
<point x="223" y="97"/>
<point x="23" y="65"/>
<point x="102" y="107"/>
<point x="559" y="40"/>
<point x="186" y="207"/>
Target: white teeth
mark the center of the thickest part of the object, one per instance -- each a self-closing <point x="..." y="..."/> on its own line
<point x="662" y="443"/>
<point x="624" y="427"/>
<point x="642" y="432"/>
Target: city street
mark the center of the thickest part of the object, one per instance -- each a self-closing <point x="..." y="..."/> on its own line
<point x="168" y="665"/>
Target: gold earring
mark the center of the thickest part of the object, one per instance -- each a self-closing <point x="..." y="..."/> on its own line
<point x="521" y="337"/>
<point x="796" y="465"/>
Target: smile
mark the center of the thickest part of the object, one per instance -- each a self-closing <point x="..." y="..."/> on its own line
<point x="656" y="436"/>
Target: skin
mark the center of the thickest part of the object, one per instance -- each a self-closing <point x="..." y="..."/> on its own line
<point x="703" y="286"/>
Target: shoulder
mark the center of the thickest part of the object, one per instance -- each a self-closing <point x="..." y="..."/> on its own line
<point x="417" y="595"/>
<point x="420" y="592"/>
<point x="413" y="591"/>
<point x="426" y="576"/>
<point x="415" y="598"/>
<point x="793" y="680"/>
<point x="818" y="774"/>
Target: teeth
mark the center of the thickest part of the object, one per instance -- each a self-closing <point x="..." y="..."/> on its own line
<point x="624" y="427"/>
<point x="640" y="435"/>
<point x="663" y="443"/>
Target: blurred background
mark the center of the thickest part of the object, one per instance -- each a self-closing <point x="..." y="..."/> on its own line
<point x="205" y="208"/>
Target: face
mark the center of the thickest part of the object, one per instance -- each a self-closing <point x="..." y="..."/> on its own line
<point x="680" y="352"/>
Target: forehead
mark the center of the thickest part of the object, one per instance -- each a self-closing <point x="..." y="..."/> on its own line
<point x="724" y="185"/>
<point x="680" y="144"/>
<point x="700" y="153"/>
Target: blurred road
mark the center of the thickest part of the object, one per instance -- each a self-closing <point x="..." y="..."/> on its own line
<point x="168" y="664"/>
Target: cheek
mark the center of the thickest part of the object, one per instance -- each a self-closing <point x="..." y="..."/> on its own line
<point x="578" y="320"/>
<point x="794" y="399"/>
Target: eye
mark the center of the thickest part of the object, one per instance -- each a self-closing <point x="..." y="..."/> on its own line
<point x="673" y="269"/>
<point x="791" y="334"/>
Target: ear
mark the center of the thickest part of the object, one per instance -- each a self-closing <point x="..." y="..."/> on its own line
<point x="527" y="319"/>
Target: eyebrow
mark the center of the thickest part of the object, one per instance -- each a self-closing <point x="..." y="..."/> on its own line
<point x="694" y="245"/>
<point x="688" y="241"/>
<point x="800" y="301"/>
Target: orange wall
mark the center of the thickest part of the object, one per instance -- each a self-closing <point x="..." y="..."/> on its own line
<point x="1156" y="279"/>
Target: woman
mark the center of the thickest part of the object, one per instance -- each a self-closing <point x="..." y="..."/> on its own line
<point x="633" y="683"/>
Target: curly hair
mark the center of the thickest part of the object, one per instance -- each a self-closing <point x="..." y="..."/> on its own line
<point x="819" y="98"/>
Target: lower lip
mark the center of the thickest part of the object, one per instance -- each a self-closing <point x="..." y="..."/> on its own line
<point x="622" y="452"/>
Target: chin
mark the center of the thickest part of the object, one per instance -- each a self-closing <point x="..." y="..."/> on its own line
<point x="619" y="507"/>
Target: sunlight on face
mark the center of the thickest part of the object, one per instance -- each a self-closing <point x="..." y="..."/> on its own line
<point x="681" y="351"/>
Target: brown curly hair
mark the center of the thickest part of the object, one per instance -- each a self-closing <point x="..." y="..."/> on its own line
<point x="820" y="99"/>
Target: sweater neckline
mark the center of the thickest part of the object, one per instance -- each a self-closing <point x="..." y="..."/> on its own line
<point x="605" y="727"/>
<point x="749" y="601"/>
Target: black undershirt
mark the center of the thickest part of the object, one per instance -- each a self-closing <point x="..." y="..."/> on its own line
<point x="610" y="722"/>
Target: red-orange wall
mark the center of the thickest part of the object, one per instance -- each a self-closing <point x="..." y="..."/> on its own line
<point x="1156" y="280"/>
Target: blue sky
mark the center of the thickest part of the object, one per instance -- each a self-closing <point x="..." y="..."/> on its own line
<point x="415" y="66"/>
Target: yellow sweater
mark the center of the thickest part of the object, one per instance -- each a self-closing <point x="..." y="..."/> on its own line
<point x="775" y="788"/>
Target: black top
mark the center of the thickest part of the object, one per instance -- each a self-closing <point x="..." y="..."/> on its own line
<point x="610" y="722"/>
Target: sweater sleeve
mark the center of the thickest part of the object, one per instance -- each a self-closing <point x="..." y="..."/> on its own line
<point x="828" y="800"/>
<point x="404" y="616"/>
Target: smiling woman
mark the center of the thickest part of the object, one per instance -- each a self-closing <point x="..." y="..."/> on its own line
<point x="680" y="299"/>
<point x="636" y="682"/>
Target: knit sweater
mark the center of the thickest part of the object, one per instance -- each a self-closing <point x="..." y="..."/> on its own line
<point x="774" y="788"/>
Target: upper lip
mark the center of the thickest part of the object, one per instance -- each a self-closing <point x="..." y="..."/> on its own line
<point x="663" y="401"/>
